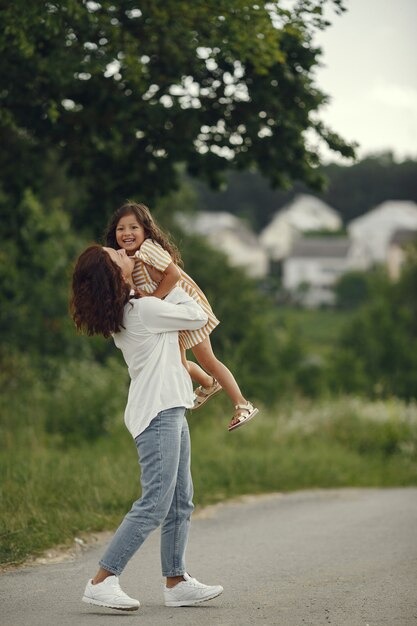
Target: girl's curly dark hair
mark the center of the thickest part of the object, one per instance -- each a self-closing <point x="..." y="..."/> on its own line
<point x="99" y="293"/>
<point x="151" y="228"/>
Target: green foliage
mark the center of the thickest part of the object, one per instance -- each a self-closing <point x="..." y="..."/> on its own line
<point x="348" y="371"/>
<point x="22" y="398"/>
<point x="34" y="276"/>
<point x="312" y="378"/>
<point x="350" y="189"/>
<point x="123" y="94"/>
<point x="85" y="400"/>
<point x="317" y="329"/>
<point x="352" y="290"/>
<point x="407" y="286"/>
<point x="73" y="400"/>
<point x="378" y="349"/>
<point x="384" y="437"/>
<point x="355" y="189"/>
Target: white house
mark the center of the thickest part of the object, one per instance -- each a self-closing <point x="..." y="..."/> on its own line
<point x="376" y="228"/>
<point x="305" y="213"/>
<point x="396" y="253"/>
<point x="314" y="265"/>
<point x="231" y="235"/>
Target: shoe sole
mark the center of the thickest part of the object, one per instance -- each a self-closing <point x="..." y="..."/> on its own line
<point x="195" y="408"/>
<point x="109" y="606"/>
<point x="194" y="602"/>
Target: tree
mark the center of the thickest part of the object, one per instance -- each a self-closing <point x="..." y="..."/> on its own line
<point x="352" y="190"/>
<point x="34" y="281"/>
<point x="355" y="189"/>
<point x="123" y="93"/>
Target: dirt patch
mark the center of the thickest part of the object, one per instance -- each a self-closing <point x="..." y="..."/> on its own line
<point x="62" y="552"/>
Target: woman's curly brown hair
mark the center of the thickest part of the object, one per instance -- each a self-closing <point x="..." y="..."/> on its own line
<point x="151" y="228"/>
<point x="99" y="293"/>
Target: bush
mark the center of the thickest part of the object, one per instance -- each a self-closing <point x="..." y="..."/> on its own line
<point x="74" y="401"/>
<point x="371" y="437"/>
<point x="23" y="395"/>
<point x="377" y="352"/>
<point x="312" y="378"/>
<point x="86" y="399"/>
<point x="352" y="290"/>
<point x="34" y="276"/>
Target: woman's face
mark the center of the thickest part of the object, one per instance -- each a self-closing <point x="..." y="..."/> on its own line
<point x="130" y="235"/>
<point x="122" y="260"/>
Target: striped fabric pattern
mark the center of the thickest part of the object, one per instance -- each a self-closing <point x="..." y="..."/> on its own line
<point x="151" y="253"/>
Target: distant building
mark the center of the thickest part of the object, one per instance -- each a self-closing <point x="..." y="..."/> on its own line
<point x="315" y="264"/>
<point x="397" y="251"/>
<point x="376" y="228"/>
<point x="230" y="235"/>
<point x="304" y="214"/>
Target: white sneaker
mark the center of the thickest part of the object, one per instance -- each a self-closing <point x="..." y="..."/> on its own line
<point x="109" y="594"/>
<point x="190" y="592"/>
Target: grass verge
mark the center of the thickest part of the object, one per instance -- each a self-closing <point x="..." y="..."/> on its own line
<point x="49" y="493"/>
<point x="318" y="329"/>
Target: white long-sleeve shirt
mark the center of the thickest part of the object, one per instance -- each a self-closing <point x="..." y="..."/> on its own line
<point x="149" y="343"/>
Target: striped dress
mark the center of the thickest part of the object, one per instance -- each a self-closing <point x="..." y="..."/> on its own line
<point x="153" y="254"/>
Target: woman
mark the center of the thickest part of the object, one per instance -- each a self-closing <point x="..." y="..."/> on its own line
<point x="146" y="330"/>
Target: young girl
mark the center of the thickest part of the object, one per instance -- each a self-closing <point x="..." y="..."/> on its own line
<point x="156" y="272"/>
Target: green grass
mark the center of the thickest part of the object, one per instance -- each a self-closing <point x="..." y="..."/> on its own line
<point x="319" y="329"/>
<point x="49" y="494"/>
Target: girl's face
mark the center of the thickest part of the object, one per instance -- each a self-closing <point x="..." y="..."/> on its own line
<point x="130" y="235"/>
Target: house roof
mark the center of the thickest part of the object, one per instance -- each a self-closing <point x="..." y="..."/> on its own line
<point x="321" y="247"/>
<point x="304" y="213"/>
<point x="376" y="228"/>
<point x="391" y="213"/>
<point x="403" y="236"/>
<point x="207" y="223"/>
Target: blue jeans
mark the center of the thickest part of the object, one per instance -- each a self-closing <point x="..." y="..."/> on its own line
<point x="167" y="491"/>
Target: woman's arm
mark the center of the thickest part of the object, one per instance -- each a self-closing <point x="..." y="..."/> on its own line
<point x="180" y="312"/>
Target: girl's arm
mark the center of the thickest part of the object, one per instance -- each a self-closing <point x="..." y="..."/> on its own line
<point x="170" y="277"/>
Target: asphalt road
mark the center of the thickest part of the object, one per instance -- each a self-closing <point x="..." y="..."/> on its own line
<point x="341" y="557"/>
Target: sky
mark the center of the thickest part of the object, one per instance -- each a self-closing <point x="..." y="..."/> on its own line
<point x="370" y="73"/>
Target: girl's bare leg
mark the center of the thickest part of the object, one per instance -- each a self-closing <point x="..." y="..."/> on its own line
<point x="195" y="371"/>
<point x="204" y="354"/>
<point x="199" y="375"/>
